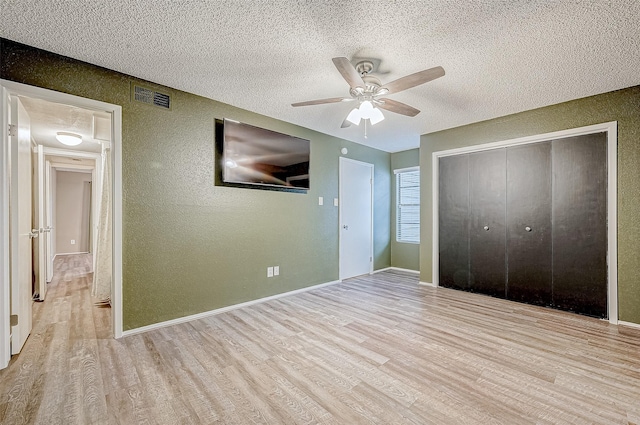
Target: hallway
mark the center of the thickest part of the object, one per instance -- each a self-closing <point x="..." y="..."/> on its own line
<point x="57" y="373"/>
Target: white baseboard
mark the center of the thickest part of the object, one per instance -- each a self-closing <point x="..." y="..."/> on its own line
<point x="70" y="253"/>
<point x="395" y="268"/>
<point x="629" y="324"/>
<point x="429" y="284"/>
<point x="222" y="310"/>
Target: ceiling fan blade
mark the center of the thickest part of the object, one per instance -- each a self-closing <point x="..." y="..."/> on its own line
<point x="348" y="72"/>
<point x="397" y="107"/>
<point x="321" y="101"/>
<point x="414" y="80"/>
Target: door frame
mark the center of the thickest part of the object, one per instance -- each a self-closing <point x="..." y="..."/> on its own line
<point x="611" y="128"/>
<point x="11" y="88"/>
<point x="340" y="191"/>
<point x="96" y="178"/>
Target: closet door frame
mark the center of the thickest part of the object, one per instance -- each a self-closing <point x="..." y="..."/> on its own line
<point x="611" y="128"/>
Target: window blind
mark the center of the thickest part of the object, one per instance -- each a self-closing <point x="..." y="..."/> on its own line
<point x="408" y="206"/>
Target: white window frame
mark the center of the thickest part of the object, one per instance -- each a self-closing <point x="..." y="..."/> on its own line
<point x="398" y="206"/>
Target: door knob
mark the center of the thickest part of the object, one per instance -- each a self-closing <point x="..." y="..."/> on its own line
<point x="345" y="227"/>
<point x="528" y="229"/>
<point x="486" y="228"/>
<point x="33" y="233"/>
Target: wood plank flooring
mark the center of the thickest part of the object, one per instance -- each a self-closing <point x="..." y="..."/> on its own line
<point x="377" y="349"/>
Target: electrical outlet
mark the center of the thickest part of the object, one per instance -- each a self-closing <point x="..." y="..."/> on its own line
<point x="320" y="200"/>
<point x="269" y="271"/>
<point x="276" y="270"/>
<point x="73" y="241"/>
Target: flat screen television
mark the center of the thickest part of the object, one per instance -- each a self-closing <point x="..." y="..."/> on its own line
<point x="256" y="156"/>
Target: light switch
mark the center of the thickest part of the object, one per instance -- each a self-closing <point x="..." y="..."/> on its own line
<point x="276" y="270"/>
<point x="320" y="200"/>
<point x="335" y="202"/>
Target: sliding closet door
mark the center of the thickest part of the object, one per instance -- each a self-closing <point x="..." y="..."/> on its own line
<point x="487" y="182"/>
<point x="580" y="224"/>
<point x="453" y="209"/>
<point x="529" y="223"/>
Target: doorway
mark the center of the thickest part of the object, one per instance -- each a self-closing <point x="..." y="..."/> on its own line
<point x="356" y="218"/>
<point x="11" y="90"/>
<point x="72" y="190"/>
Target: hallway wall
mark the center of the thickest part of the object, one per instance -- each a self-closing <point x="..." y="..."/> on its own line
<point x="72" y="203"/>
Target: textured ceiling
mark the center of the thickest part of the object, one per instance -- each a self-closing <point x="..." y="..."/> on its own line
<point x="500" y="57"/>
<point x="48" y="118"/>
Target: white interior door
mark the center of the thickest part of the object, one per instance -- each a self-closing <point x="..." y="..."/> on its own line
<point x="20" y="218"/>
<point x="48" y="228"/>
<point x="40" y="242"/>
<point x="356" y="218"/>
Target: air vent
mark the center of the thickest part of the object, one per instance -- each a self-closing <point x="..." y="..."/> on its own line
<point x="151" y="97"/>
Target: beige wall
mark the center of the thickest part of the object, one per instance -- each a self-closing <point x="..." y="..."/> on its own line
<point x="72" y="201"/>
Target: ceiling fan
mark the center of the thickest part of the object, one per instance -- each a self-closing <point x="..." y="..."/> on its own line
<point x="368" y="91"/>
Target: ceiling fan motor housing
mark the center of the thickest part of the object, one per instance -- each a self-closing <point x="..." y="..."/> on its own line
<point x="372" y="84"/>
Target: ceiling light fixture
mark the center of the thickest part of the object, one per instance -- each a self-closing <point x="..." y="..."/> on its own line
<point x="366" y="111"/>
<point x="69" y="139"/>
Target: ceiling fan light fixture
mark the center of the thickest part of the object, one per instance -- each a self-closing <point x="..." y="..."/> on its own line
<point x="69" y="139"/>
<point x="366" y="109"/>
<point x="354" y="116"/>
<point x="369" y="112"/>
<point x="376" y="116"/>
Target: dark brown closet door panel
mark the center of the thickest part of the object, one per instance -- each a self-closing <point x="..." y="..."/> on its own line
<point x="580" y="224"/>
<point x="529" y="234"/>
<point x="487" y="185"/>
<point x="453" y="207"/>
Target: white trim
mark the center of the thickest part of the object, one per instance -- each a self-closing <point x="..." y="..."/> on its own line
<point x="397" y="269"/>
<point x="435" y="220"/>
<point x="611" y="128"/>
<point x="69" y="168"/>
<point x="612" y="218"/>
<point x="340" y="204"/>
<point x="72" y="253"/>
<point x="209" y="313"/>
<point x="406" y="170"/>
<point x="572" y="132"/>
<point x="71" y="153"/>
<point x="13" y="88"/>
<point x="116" y="168"/>
<point x="429" y="284"/>
<point x="629" y="324"/>
<point x="5" y="306"/>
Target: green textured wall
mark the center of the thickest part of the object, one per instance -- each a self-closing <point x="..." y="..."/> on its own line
<point x="190" y="246"/>
<point x="403" y="255"/>
<point x="622" y="106"/>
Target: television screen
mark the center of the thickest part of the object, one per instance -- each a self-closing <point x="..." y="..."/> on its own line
<point x="257" y="156"/>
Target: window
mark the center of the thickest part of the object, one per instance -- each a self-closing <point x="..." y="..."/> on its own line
<point x="408" y="205"/>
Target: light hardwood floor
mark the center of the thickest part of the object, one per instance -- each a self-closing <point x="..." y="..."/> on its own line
<point x="376" y="349"/>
